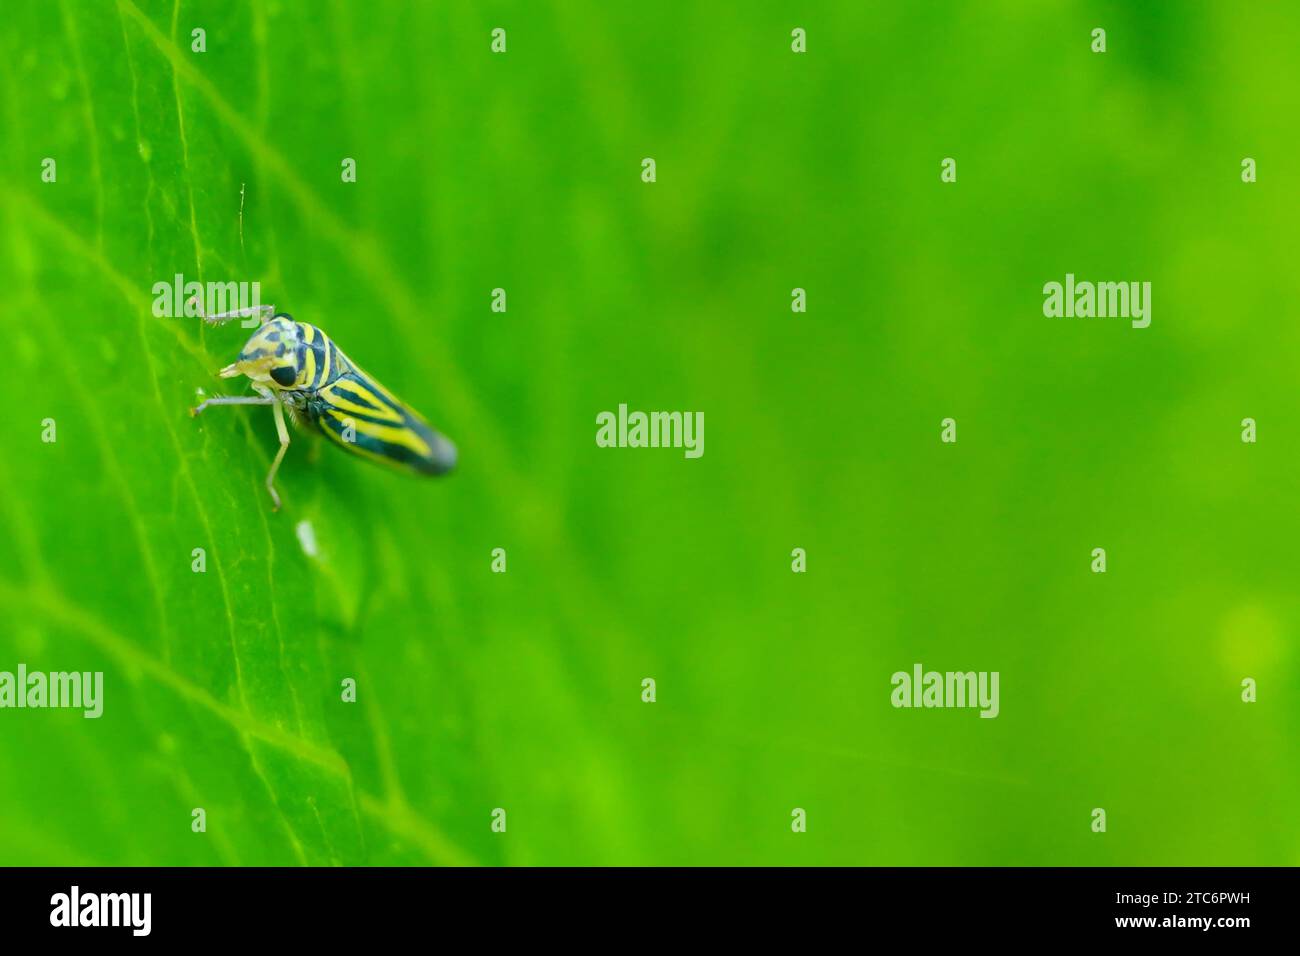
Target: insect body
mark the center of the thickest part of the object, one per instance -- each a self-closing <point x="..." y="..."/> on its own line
<point x="294" y="366"/>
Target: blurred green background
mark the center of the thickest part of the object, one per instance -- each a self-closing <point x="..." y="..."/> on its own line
<point x="523" y="690"/>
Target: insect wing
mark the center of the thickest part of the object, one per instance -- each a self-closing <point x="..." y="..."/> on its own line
<point x="366" y="419"/>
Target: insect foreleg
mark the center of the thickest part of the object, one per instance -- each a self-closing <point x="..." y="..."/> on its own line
<point x="233" y="400"/>
<point x="279" y="456"/>
<point x="263" y="313"/>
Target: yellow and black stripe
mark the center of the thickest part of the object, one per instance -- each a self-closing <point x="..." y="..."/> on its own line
<point x="362" y="416"/>
<point x="320" y="361"/>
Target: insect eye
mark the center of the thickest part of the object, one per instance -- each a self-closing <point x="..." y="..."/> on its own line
<point x="283" y="375"/>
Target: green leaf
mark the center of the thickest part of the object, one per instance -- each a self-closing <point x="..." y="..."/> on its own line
<point x="223" y="688"/>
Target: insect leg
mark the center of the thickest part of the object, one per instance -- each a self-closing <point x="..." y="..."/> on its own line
<point x="263" y="313"/>
<point x="232" y="400"/>
<point x="279" y="456"/>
